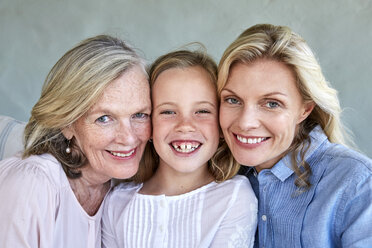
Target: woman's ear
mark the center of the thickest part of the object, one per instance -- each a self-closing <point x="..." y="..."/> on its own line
<point x="68" y="132"/>
<point x="306" y="111"/>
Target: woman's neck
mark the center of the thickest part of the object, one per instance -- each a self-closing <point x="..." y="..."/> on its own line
<point x="89" y="191"/>
<point x="169" y="182"/>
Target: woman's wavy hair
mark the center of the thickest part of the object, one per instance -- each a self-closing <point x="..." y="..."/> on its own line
<point x="280" y="43"/>
<point x="222" y="165"/>
<point x="71" y="88"/>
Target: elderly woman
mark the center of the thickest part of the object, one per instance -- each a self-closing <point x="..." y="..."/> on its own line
<point x="281" y="120"/>
<point x="90" y="125"/>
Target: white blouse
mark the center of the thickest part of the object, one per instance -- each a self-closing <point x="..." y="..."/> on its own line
<point x="215" y="215"/>
<point x="39" y="209"/>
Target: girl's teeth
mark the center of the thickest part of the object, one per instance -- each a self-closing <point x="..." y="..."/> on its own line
<point x="122" y="155"/>
<point x="185" y="148"/>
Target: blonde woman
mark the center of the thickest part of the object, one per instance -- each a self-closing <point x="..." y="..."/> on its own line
<point x="281" y="120"/>
<point x="186" y="195"/>
<point x="90" y="124"/>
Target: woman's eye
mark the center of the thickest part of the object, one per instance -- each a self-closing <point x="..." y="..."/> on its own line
<point x="272" y="104"/>
<point x="141" y="116"/>
<point x="167" y="112"/>
<point x="232" y="100"/>
<point x="103" y="119"/>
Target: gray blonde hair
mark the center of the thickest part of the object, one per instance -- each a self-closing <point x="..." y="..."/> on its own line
<point x="280" y="43"/>
<point x="71" y="88"/>
<point x="222" y="165"/>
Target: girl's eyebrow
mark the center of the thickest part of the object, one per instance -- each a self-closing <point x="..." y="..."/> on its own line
<point x="175" y="104"/>
<point x="165" y="103"/>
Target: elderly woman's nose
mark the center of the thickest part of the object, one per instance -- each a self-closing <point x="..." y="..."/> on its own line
<point x="125" y="133"/>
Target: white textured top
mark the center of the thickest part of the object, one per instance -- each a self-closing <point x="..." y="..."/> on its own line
<point x="39" y="209"/>
<point x="215" y="215"/>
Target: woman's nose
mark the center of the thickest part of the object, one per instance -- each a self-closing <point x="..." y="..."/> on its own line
<point x="126" y="134"/>
<point x="249" y="118"/>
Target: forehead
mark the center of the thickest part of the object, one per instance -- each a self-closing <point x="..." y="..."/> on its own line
<point x="263" y="73"/>
<point x="181" y="82"/>
<point x="131" y="89"/>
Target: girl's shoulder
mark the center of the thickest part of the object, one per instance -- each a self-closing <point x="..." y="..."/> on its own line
<point x="238" y="182"/>
<point x="236" y="187"/>
<point x="123" y="192"/>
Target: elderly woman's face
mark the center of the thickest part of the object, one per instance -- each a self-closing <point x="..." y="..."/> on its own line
<point x="260" y="110"/>
<point x="114" y="132"/>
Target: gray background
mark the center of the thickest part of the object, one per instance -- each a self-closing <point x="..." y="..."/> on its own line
<point x="35" y="34"/>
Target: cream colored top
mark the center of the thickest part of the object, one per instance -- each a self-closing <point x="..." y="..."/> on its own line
<point x="215" y="215"/>
<point x="39" y="209"/>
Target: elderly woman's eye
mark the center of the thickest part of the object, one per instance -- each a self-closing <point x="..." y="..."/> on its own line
<point x="141" y="116"/>
<point x="103" y="119"/>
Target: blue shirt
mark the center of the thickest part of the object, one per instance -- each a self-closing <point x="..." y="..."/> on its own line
<point x="335" y="212"/>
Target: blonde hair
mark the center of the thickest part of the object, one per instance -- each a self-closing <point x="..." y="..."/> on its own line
<point x="222" y="165"/>
<point x="280" y="43"/>
<point x="71" y="88"/>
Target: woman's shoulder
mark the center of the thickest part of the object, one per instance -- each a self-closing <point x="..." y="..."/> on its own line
<point x="341" y="166"/>
<point x="346" y="158"/>
<point x="37" y="169"/>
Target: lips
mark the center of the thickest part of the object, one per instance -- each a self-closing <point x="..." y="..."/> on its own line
<point x="122" y="154"/>
<point x="251" y="140"/>
<point x="185" y="146"/>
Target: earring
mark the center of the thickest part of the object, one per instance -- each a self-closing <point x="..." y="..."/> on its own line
<point x="68" y="149"/>
<point x="150" y="140"/>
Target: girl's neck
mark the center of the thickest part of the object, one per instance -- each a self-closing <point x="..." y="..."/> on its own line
<point x="167" y="181"/>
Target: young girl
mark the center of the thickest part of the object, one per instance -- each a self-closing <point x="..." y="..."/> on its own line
<point x="185" y="195"/>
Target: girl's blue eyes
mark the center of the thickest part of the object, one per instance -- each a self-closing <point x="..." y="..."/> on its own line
<point x="203" y="111"/>
<point x="167" y="112"/>
<point x="170" y="112"/>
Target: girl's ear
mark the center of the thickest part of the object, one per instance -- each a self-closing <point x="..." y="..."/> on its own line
<point x="306" y="111"/>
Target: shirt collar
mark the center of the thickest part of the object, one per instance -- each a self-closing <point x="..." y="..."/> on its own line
<point x="283" y="169"/>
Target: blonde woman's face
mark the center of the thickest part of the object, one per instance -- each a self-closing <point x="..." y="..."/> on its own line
<point x="114" y="132"/>
<point x="260" y="110"/>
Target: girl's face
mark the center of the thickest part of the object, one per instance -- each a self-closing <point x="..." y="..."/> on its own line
<point x="185" y="119"/>
<point x="114" y="132"/>
<point x="260" y="110"/>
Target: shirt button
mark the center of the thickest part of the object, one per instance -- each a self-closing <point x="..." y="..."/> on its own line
<point x="263" y="217"/>
<point x="162" y="204"/>
<point x="161" y="228"/>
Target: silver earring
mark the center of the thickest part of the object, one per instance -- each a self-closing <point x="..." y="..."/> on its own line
<point x="68" y="149"/>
